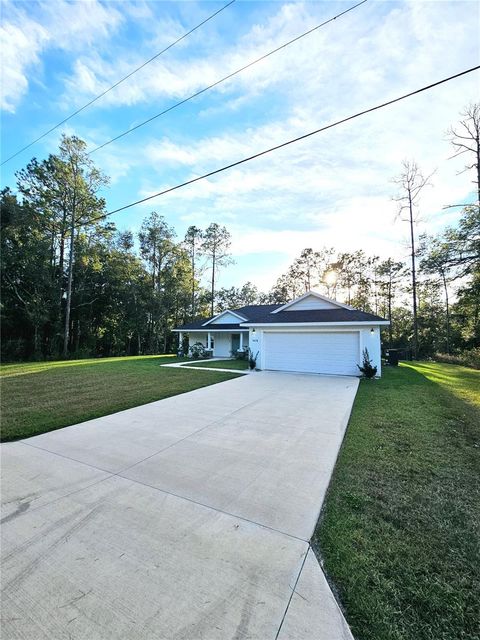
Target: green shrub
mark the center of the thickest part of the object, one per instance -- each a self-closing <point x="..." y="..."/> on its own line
<point x="239" y="354"/>
<point x="252" y="359"/>
<point x="197" y="351"/>
<point x="368" y="370"/>
<point x="468" y="358"/>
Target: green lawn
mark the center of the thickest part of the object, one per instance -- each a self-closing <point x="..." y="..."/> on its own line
<point x="240" y="365"/>
<point x="39" y="397"/>
<point x="399" y="534"/>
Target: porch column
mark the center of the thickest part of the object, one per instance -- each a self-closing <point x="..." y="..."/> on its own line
<point x="209" y="340"/>
<point x="241" y="341"/>
<point x="180" y="341"/>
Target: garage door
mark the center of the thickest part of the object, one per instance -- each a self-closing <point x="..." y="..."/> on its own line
<point x="334" y="353"/>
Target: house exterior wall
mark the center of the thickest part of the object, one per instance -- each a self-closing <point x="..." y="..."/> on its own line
<point x="197" y="337"/>
<point x="367" y="339"/>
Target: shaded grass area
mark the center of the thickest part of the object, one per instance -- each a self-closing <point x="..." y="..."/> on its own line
<point x="240" y="365"/>
<point x="399" y="534"/>
<point x="40" y="397"/>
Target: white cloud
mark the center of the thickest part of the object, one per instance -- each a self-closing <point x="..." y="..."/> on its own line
<point x="20" y="50"/>
<point x="57" y="24"/>
<point x="332" y="189"/>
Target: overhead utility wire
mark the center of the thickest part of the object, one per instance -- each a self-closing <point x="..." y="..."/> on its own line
<point x="230" y="75"/>
<point x="157" y="55"/>
<point x="284" y="144"/>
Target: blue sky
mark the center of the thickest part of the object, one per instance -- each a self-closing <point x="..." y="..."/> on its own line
<point x="333" y="189"/>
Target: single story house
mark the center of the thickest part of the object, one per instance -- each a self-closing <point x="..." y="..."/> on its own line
<point x="311" y="334"/>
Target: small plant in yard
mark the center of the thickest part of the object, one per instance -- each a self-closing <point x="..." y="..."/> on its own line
<point x="252" y="359"/>
<point x="197" y="351"/>
<point x="367" y="368"/>
<point x="239" y="354"/>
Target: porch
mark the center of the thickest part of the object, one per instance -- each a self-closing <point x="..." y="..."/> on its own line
<point x="221" y="342"/>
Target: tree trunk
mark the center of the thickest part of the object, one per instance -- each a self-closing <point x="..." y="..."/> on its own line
<point x="213" y="281"/>
<point x="447" y="310"/>
<point x="61" y="262"/>
<point x="77" y="336"/>
<point x="414" y="279"/>
<point x="390" y="329"/>
<point x="193" y="279"/>
<point x="477" y="140"/>
<point x="36" y="345"/>
<point x="66" y="333"/>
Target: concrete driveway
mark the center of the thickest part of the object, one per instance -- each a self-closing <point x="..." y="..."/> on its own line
<point x="187" y="518"/>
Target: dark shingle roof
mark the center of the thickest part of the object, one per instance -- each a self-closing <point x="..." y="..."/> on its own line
<point x="262" y="313"/>
<point x="314" y="315"/>
<point x="198" y="324"/>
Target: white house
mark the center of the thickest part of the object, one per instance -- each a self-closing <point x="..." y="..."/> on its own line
<point x="311" y="334"/>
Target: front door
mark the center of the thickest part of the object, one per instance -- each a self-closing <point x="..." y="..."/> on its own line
<point x="235" y="342"/>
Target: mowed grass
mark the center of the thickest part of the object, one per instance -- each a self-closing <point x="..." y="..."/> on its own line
<point x="40" y="397"/>
<point x="240" y="365"/>
<point x="400" y="531"/>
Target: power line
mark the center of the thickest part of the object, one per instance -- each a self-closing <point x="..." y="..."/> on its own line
<point x="157" y="55"/>
<point x="284" y="144"/>
<point x="230" y="75"/>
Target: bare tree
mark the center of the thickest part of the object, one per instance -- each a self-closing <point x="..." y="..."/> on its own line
<point x="410" y="183"/>
<point x="466" y="139"/>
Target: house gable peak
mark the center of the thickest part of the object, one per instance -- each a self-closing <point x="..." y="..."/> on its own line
<point x="310" y="301"/>
<point x="226" y="317"/>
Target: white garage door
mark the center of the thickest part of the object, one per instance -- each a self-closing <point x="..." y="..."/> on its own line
<point x="335" y="352"/>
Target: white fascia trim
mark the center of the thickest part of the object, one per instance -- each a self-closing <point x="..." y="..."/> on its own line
<point x="234" y="313"/>
<point x="306" y="325"/>
<point x="239" y="330"/>
<point x="315" y="295"/>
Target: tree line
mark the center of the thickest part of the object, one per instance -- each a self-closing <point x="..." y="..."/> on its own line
<point x="74" y="286"/>
<point x="415" y="295"/>
<point x="448" y="265"/>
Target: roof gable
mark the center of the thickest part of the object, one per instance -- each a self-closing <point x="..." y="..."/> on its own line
<point x="311" y="301"/>
<point x="227" y="317"/>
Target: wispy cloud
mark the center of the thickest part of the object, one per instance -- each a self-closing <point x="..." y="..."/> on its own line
<point x="56" y="24"/>
<point x="332" y="189"/>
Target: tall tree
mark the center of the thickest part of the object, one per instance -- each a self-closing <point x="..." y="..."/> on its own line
<point x="157" y="248"/>
<point x="411" y="183"/>
<point x="466" y="139"/>
<point x="63" y="192"/>
<point x="82" y="181"/>
<point x="25" y="273"/>
<point x="464" y="242"/>
<point x="390" y="274"/>
<point x="193" y="243"/>
<point x="216" y="244"/>
<point x="435" y="262"/>
<point x="156" y="242"/>
<point x="237" y="297"/>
